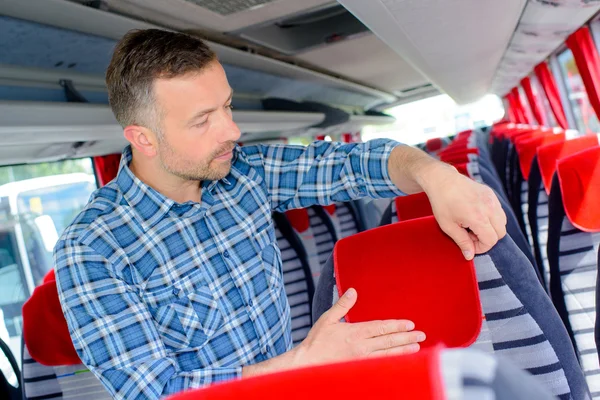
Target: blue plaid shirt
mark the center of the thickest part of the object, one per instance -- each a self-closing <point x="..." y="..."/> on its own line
<point x="162" y="296"/>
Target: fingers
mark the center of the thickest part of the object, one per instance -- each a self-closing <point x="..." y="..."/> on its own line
<point x="394" y="340"/>
<point x="486" y="236"/>
<point x="341" y="307"/>
<point x="461" y="237"/>
<point x="498" y="218"/>
<point x="396" y="351"/>
<point x="373" y="329"/>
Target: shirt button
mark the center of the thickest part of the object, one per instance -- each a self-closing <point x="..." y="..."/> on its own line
<point x="176" y="292"/>
<point x="250" y="303"/>
<point x="267" y="350"/>
<point x="226" y="254"/>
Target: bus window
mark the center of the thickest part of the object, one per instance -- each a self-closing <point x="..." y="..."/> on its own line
<point x="37" y="203"/>
<point x="585" y="117"/>
<point x="13" y="287"/>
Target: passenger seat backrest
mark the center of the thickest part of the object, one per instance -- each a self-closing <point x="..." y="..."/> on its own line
<point x="297" y="277"/>
<point x="520" y="322"/>
<point x="427" y="375"/>
<point x="440" y="301"/>
<point x="573" y="243"/>
<point x="55" y="370"/>
<point x="63" y="382"/>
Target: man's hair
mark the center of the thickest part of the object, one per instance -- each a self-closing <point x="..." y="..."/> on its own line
<point x="142" y="56"/>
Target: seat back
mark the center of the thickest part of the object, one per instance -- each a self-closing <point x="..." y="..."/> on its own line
<point x="520" y="322"/>
<point x="64" y="382"/>
<point x="428" y="375"/>
<point x="54" y="370"/>
<point x="345" y="218"/>
<point x="573" y="243"/>
<point x="297" y="277"/>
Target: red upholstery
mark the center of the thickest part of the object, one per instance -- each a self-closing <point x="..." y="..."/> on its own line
<point x="458" y="159"/>
<point x="107" y="167"/>
<point x="549" y="154"/>
<point x="411" y="270"/>
<point x="464" y="134"/>
<point x="463" y="169"/>
<point x="459" y="151"/>
<point x="299" y="219"/>
<point x="415" y="376"/>
<point x="413" y="206"/>
<point x="45" y="330"/>
<point x="330" y="209"/>
<point x="579" y="177"/>
<point x="527" y="149"/>
<point x="434" y="144"/>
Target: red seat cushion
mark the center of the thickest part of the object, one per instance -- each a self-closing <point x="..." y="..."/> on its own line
<point x="298" y="219"/>
<point x="45" y="330"/>
<point x="463" y="169"/>
<point x="413" y="206"/>
<point x="579" y="177"/>
<point x="415" y="376"/>
<point x="527" y="149"/>
<point x="459" y="159"/>
<point x="549" y="154"/>
<point x="459" y="151"/>
<point x="434" y="144"/>
<point x="411" y="270"/>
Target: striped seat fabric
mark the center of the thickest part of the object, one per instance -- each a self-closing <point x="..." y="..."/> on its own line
<point x="297" y="277"/>
<point x="573" y="243"/>
<point x="68" y="382"/>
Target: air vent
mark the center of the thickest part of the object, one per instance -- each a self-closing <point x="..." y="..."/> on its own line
<point x="309" y="30"/>
<point x="228" y="7"/>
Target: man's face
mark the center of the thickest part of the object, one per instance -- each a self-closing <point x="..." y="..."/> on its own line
<point x="197" y="129"/>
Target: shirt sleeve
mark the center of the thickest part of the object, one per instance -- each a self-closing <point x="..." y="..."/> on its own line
<point x="324" y="172"/>
<point x="113" y="331"/>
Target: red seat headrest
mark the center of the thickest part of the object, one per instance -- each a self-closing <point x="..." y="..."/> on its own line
<point x="527" y="150"/>
<point x="459" y="150"/>
<point x="45" y="330"/>
<point x="459" y="159"/>
<point x="411" y="270"/>
<point x="298" y="219"/>
<point x="415" y="376"/>
<point x="434" y="144"/>
<point x="330" y="209"/>
<point x="549" y="154"/>
<point x="579" y="177"/>
<point x="413" y="206"/>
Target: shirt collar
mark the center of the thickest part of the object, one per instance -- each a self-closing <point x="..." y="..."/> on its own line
<point x="150" y="205"/>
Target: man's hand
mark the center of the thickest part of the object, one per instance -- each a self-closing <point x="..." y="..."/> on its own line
<point x="467" y="211"/>
<point x="331" y="340"/>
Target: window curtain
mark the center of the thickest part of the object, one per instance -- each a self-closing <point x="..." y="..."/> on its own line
<point x="549" y="85"/>
<point x="509" y="111"/>
<point x="534" y="103"/>
<point x="106" y="168"/>
<point x="584" y="50"/>
<point x="519" y="109"/>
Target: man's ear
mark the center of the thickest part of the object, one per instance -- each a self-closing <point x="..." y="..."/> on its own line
<point x="142" y="139"/>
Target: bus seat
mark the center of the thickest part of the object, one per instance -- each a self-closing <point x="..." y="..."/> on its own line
<point x="318" y="235"/>
<point x="573" y="242"/>
<point x="297" y="277"/>
<point x="520" y="322"/>
<point x="527" y="156"/>
<point x="345" y="218"/>
<point x="54" y="370"/>
<point x="550" y="154"/>
<point x="542" y="170"/>
<point x="371" y="211"/>
<point x="433" y="145"/>
<point x="428" y="375"/>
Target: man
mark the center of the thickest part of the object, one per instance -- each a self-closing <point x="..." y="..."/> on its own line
<point x="170" y="278"/>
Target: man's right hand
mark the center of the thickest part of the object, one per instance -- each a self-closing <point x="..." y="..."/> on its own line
<point x="331" y="340"/>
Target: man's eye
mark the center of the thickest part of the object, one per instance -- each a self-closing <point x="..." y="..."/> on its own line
<point x="200" y="123"/>
<point x="230" y="106"/>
